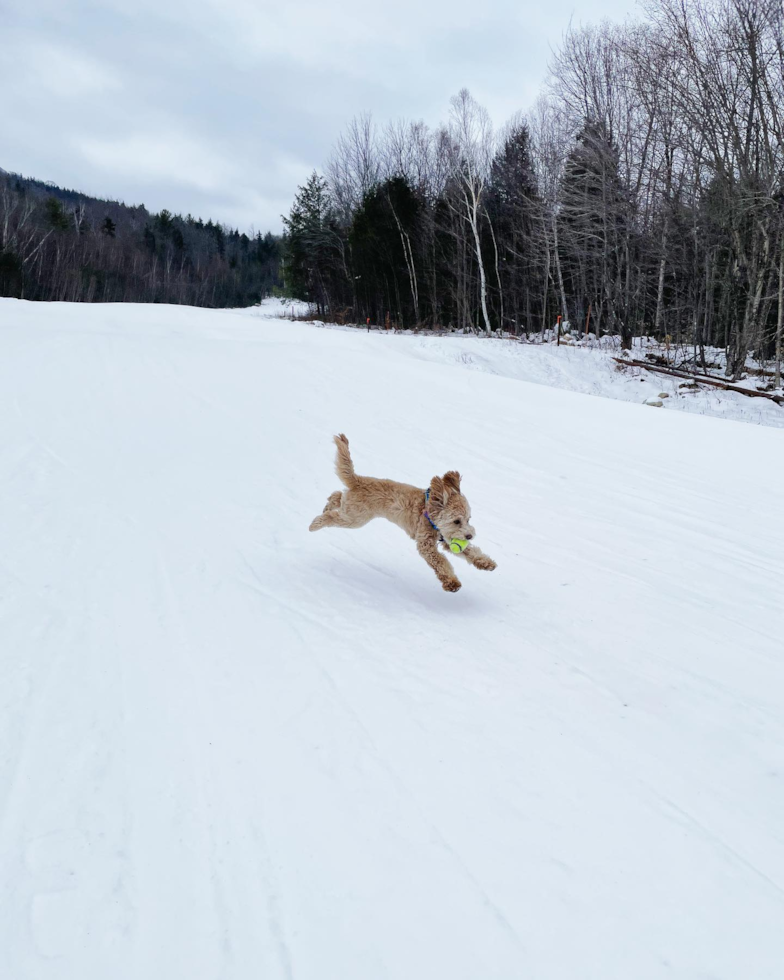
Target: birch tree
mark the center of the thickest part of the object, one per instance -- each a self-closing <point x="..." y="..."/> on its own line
<point x="471" y="155"/>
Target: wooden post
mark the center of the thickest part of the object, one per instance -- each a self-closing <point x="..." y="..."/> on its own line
<point x="558" y="332"/>
<point x="588" y="320"/>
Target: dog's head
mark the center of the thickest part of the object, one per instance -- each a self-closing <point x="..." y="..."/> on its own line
<point x="448" y="508"/>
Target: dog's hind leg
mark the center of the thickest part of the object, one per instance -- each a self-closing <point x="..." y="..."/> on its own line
<point x="334" y="518"/>
<point x="333" y="501"/>
<point x="332" y="506"/>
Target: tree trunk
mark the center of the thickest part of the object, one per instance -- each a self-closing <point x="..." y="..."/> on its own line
<point x="482" y="278"/>
<point x="564" y="312"/>
<point x="497" y="271"/>
<point x="780" y="317"/>
<point x="660" y="285"/>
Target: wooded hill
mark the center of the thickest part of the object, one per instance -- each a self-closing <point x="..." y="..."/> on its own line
<point x="59" y="244"/>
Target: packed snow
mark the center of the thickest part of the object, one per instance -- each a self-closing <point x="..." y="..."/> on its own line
<point x="231" y="749"/>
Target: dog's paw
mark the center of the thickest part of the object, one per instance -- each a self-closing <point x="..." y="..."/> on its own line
<point x="485" y="564"/>
<point x="316" y="523"/>
<point x="451" y="585"/>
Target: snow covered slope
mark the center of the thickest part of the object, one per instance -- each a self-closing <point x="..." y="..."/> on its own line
<point x="590" y="370"/>
<point x="233" y="749"/>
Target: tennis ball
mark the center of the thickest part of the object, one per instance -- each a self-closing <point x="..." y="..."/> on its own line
<point x="456" y="545"/>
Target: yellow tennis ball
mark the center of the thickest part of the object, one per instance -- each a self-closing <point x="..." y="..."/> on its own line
<point x="456" y="545"/>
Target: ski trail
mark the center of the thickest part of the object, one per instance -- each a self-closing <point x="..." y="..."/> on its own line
<point x="231" y="747"/>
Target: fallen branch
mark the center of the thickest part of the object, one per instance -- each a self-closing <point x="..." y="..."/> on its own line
<point x="759" y="372"/>
<point x="701" y="379"/>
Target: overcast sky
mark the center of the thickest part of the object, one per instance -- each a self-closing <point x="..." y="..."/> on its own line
<point x="222" y="107"/>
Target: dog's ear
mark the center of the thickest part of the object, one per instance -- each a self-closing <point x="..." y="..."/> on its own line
<point x="452" y="481"/>
<point x="438" y="492"/>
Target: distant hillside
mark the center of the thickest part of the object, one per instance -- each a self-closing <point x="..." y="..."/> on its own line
<point x="61" y="244"/>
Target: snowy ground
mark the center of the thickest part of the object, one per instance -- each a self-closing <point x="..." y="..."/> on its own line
<point x="232" y="749"/>
<point x="590" y="370"/>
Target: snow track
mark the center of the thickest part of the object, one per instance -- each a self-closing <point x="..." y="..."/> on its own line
<point x="233" y="749"/>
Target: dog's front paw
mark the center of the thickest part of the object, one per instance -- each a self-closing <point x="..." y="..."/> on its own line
<point x="450" y="585"/>
<point x="485" y="564"/>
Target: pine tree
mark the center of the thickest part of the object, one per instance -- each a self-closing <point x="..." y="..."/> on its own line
<point x="56" y="215"/>
<point x="164" y="222"/>
<point x="514" y="209"/>
<point x="593" y="217"/>
<point x="310" y="244"/>
<point x="383" y="240"/>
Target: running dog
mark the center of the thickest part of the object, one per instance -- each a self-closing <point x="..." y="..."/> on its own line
<point x="440" y="514"/>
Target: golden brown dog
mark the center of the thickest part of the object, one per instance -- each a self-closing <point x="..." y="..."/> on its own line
<point x="429" y="517"/>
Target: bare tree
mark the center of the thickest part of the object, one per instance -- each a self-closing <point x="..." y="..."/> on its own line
<point x="471" y="154"/>
<point x="355" y="165"/>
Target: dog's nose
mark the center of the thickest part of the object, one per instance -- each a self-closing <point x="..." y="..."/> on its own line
<point x="468" y="537"/>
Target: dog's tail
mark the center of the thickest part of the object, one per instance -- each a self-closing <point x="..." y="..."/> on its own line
<point x="343" y="465"/>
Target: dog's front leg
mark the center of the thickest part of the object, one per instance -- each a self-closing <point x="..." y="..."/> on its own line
<point x="439" y="564"/>
<point x="474" y="556"/>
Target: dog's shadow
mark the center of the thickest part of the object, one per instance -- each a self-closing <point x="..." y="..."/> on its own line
<point x="362" y="582"/>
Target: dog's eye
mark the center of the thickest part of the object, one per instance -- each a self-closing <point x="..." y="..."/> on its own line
<point x="457" y="521"/>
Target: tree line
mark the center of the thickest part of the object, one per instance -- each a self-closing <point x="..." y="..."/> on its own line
<point x="643" y="195"/>
<point x="58" y="244"/>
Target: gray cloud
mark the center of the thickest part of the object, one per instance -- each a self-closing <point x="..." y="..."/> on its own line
<point x="221" y="108"/>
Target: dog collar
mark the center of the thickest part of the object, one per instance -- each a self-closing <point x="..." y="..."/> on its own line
<point x="430" y="520"/>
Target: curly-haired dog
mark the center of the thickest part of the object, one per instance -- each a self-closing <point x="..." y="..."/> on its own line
<point x="438" y="514"/>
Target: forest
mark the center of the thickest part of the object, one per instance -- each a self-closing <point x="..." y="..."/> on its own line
<point x="58" y="244"/>
<point x="643" y="195"/>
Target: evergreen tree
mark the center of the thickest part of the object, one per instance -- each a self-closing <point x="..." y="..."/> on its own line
<point x="515" y="212"/>
<point x="311" y="244"/>
<point x="164" y="222"/>
<point x="383" y="240"/>
<point x="55" y="213"/>
<point x="593" y="217"/>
